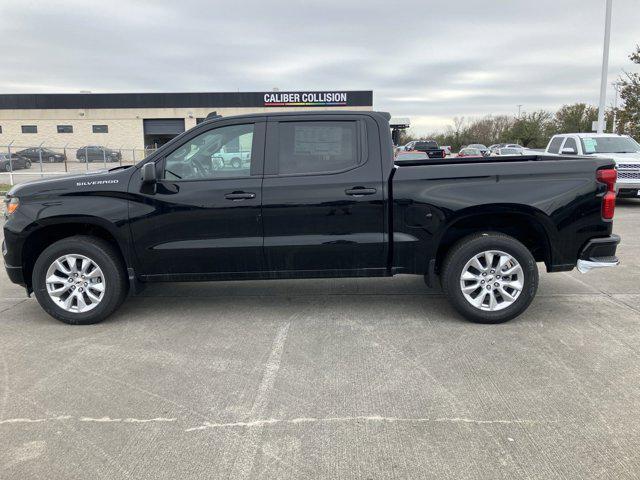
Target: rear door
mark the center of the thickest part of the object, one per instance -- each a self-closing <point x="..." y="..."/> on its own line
<point x="323" y="198"/>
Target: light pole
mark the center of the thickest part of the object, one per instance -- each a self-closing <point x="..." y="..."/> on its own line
<point x="616" y="87"/>
<point x="519" y="109"/>
<point x="605" y="67"/>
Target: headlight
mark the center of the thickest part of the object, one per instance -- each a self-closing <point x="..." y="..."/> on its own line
<point x="11" y="204"/>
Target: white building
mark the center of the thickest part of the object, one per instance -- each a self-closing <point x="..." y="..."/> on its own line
<point x="139" y="120"/>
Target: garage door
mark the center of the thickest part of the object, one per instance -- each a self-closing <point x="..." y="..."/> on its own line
<point x="164" y="126"/>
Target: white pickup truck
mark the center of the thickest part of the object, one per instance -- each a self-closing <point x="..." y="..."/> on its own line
<point x="236" y="158"/>
<point x="621" y="148"/>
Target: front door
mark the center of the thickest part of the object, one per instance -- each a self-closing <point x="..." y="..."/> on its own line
<point x="323" y="196"/>
<point x="202" y="217"/>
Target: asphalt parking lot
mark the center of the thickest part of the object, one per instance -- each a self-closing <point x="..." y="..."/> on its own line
<point x="363" y="378"/>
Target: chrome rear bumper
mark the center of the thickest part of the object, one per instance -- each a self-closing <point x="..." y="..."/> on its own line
<point x="599" y="253"/>
<point x="585" y="266"/>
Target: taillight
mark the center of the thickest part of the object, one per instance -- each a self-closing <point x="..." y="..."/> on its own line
<point x="608" y="176"/>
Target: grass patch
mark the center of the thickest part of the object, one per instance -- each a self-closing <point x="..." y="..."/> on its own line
<point x="4" y="187"/>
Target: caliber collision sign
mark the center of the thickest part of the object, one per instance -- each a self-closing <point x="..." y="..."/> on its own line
<point x="208" y="100"/>
<point x="306" y="99"/>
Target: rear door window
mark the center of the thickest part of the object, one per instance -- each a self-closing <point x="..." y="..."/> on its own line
<point x="317" y="147"/>
<point x="554" y="146"/>
<point x="570" y="143"/>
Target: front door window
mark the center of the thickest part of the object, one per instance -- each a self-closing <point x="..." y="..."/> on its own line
<point x="223" y="152"/>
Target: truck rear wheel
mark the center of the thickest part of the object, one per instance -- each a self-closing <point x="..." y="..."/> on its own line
<point x="79" y="280"/>
<point x="490" y="277"/>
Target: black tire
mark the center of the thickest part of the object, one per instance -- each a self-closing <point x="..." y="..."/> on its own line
<point x="7" y="167"/>
<point x="27" y="164"/>
<point x="465" y="250"/>
<point x="236" y="163"/>
<point x="105" y="256"/>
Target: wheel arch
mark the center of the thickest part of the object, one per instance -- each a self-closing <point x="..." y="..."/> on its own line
<point x="53" y="230"/>
<point x="528" y="226"/>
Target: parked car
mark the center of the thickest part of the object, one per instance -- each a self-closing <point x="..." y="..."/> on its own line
<point x="13" y="162"/>
<point x="510" y="151"/>
<point x="323" y="198"/>
<point x="48" y="155"/>
<point x="410" y="156"/>
<point x="493" y="149"/>
<point x="623" y="149"/>
<point x="483" y="149"/>
<point x="470" y="152"/>
<point x="96" y="153"/>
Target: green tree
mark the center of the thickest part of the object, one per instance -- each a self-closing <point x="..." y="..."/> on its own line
<point x="533" y="129"/>
<point x="629" y="114"/>
<point x="575" y="118"/>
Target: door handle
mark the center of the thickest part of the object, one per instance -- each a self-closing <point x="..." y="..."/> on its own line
<point x="240" y="196"/>
<point x="359" y="191"/>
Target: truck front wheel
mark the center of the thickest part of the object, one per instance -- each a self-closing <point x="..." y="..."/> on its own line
<point x="490" y="277"/>
<point x="79" y="280"/>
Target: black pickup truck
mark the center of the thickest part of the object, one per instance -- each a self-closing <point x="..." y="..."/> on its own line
<point x="430" y="147"/>
<point x="320" y="197"/>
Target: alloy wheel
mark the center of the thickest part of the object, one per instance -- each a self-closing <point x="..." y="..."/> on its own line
<point x="492" y="280"/>
<point x="75" y="283"/>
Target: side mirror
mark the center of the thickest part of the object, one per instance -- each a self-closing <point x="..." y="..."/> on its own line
<point x="149" y="173"/>
<point x="568" y="151"/>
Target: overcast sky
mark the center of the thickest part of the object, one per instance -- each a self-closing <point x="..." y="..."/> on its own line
<point x="430" y="60"/>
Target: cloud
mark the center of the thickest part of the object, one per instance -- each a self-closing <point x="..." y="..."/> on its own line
<point x="430" y="60"/>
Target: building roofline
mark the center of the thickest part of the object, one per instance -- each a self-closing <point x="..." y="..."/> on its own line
<point x="50" y="101"/>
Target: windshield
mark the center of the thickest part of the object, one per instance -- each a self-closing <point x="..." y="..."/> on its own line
<point x="478" y="145"/>
<point x="610" y="145"/>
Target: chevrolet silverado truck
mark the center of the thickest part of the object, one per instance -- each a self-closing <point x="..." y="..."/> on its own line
<point x="321" y="197"/>
<point x="430" y="147"/>
<point x="623" y="149"/>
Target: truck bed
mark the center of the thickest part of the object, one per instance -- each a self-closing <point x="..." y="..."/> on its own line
<point x="555" y="198"/>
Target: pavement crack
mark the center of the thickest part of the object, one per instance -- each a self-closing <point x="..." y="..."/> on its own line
<point x="365" y="419"/>
<point x="250" y="442"/>
<point x="62" y="418"/>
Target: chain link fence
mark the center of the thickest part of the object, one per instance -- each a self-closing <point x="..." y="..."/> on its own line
<point x="20" y="163"/>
